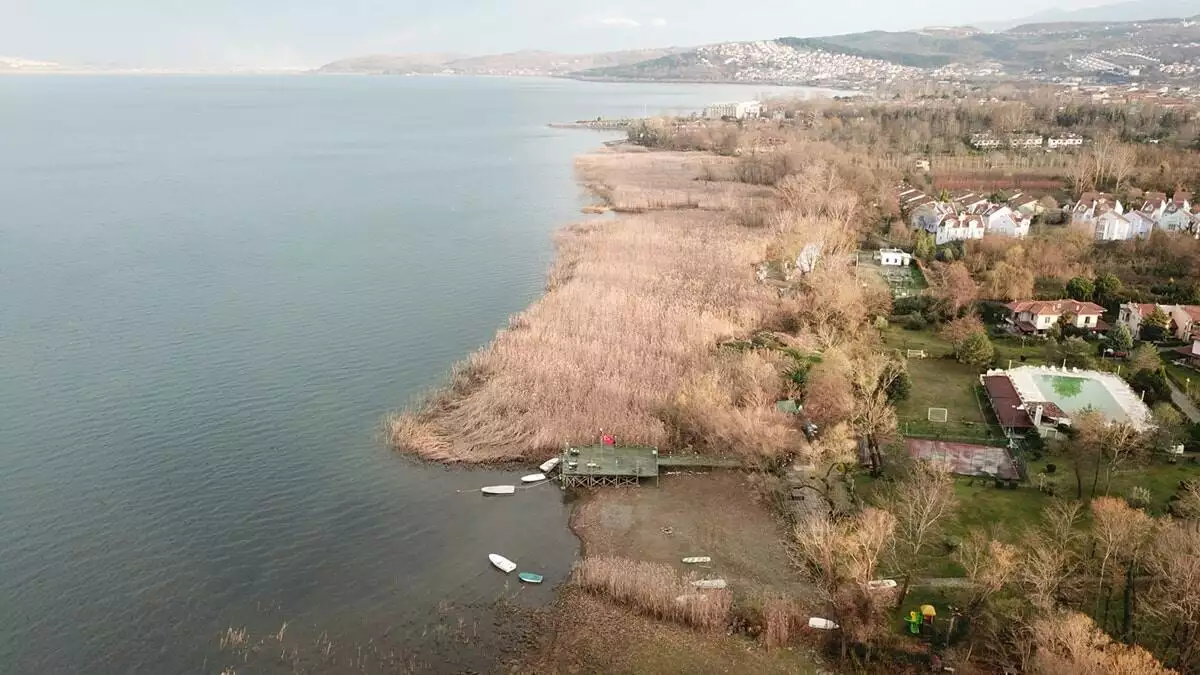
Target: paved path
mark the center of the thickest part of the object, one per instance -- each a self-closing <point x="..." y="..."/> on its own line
<point x="1183" y="402"/>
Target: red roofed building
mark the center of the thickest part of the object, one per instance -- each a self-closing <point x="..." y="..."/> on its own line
<point x="1039" y="316"/>
<point x="1185" y="319"/>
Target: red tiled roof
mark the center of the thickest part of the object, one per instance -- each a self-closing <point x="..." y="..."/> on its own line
<point x="1145" y="309"/>
<point x="1006" y="403"/>
<point x="1057" y="307"/>
<point x="1049" y="409"/>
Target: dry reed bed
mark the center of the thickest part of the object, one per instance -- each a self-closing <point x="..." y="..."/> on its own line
<point x="636" y="182"/>
<point x="634" y="311"/>
<point x="654" y="589"/>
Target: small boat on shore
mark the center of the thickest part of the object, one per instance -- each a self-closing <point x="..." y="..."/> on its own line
<point x="548" y="465"/>
<point x="881" y="584"/>
<point x="503" y="564"/>
<point x="533" y="478"/>
<point x="530" y="577"/>
<point x="697" y="559"/>
<point x="710" y="583"/>
<point x="821" y="624"/>
<point x="498" y="490"/>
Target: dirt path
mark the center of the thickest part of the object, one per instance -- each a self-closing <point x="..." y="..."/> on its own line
<point x="714" y="514"/>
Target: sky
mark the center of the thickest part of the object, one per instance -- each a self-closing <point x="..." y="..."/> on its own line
<point x="295" y="33"/>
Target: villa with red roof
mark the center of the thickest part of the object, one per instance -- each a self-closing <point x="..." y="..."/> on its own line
<point x="1035" y="317"/>
<point x="1185" y="319"/>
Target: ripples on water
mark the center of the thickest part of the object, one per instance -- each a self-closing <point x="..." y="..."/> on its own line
<point x="211" y="291"/>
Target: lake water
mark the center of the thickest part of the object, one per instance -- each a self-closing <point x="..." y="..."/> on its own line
<point x="211" y="292"/>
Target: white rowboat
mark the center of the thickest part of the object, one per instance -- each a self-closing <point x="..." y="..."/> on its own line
<point x="709" y="583"/>
<point x="533" y="478"/>
<point x="503" y="564"/>
<point x="548" y="465"/>
<point x="822" y="624"/>
<point x="697" y="559"/>
<point x="498" y="490"/>
<point x="881" y="584"/>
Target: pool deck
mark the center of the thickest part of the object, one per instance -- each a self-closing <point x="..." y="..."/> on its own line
<point x="1132" y="409"/>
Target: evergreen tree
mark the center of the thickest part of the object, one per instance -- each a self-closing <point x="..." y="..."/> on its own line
<point x="1080" y="288"/>
<point x="1121" y="337"/>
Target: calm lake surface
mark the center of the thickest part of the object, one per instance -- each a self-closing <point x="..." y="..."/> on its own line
<point x="211" y="292"/>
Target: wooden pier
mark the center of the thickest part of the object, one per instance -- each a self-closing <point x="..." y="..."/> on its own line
<point x="614" y="465"/>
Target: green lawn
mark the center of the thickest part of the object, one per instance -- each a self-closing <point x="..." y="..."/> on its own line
<point x="1160" y="478"/>
<point x="1002" y="512"/>
<point x="939" y="383"/>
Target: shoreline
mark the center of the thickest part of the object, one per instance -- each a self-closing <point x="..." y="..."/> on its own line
<point x="626" y="313"/>
<point x="629" y="312"/>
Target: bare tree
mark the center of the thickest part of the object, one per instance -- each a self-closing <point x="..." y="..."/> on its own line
<point x="1120" y="533"/>
<point x="1174" y="593"/>
<point x="1082" y="173"/>
<point x="952" y="287"/>
<point x="1052" y="559"/>
<point x="874" y="418"/>
<point x="922" y="501"/>
<point x="840" y="558"/>
<point x="990" y="566"/>
<point x="1068" y="643"/>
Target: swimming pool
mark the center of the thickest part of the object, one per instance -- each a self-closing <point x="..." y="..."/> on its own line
<point x="1073" y="394"/>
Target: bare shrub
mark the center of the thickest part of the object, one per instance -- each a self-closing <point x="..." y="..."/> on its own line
<point x="654" y="589"/>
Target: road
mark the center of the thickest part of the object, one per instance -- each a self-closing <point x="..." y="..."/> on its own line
<point x="1184" y="403"/>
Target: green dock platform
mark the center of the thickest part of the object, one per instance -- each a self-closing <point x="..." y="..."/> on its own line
<point x="612" y="465"/>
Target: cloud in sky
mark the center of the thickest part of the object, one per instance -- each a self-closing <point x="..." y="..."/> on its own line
<point x="658" y="22"/>
<point x="619" y="22"/>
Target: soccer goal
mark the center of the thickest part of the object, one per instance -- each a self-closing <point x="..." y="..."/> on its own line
<point x="916" y="353"/>
<point x="939" y="414"/>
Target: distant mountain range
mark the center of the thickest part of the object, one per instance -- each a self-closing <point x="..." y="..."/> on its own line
<point x="514" y="63"/>
<point x="1152" y="50"/>
<point x="1132" y="10"/>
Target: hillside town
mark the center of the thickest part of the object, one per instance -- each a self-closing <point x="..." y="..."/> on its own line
<point x="772" y="61"/>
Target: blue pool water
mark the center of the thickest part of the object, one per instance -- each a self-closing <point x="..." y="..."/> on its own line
<point x="1074" y="394"/>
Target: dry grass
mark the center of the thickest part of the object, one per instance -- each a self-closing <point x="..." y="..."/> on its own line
<point x="782" y="617"/>
<point x="626" y="333"/>
<point x="654" y="589"/>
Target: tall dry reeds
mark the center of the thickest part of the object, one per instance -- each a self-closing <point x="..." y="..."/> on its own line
<point x="635" y="309"/>
<point x="654" y="589"/>
<point x="781" y="616"/>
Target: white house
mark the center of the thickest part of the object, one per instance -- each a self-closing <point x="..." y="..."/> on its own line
<point x="1112" y="226"/>
<point x="1140" y="224"/>
<point x="960" y="228"/>
<point x="1155" y="205"/>
<point x="1063" y="141"/>
<point x="1177" y="214"/>
<point x="894" y="257"/>
<point x="737" y="110"/>
<point x="1038" y="316"/>
<point x="1004" y="221"/>
<point x="984" y="141"/>
<point x="1093" y="204"/>
<point x="1185" y="319"/>
<point x="1024" y="141"/>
